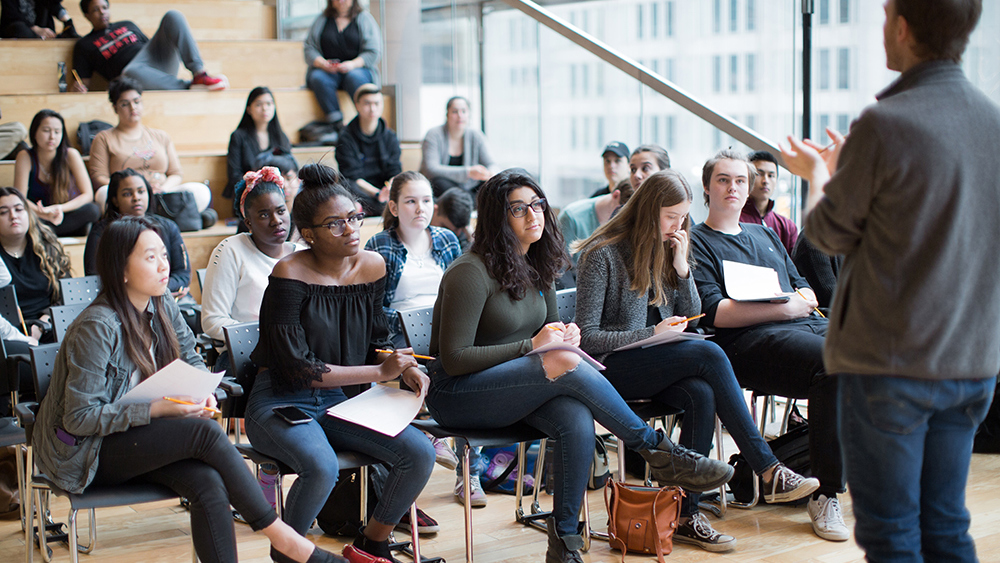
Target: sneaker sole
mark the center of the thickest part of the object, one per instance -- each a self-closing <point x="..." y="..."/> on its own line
<point x="702" y="487"/>
<point x="713" y="547"/>
<point x="832" y="536"/>
<point x="474" y="503"/>
<point x="793" y="495"/>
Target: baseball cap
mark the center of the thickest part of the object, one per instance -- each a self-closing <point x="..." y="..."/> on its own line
<point x="616" y="147"/>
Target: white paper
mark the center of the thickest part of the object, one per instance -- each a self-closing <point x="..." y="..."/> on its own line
<point x="386" y="410"/>
<point x="745" y="282"/>
<point x="176" y="379"/>
<point x="663" y="338"/>
<point x="569" y="347"/>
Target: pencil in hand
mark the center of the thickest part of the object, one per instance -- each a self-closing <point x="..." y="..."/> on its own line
<point x="417" y="356"/>
<point x="682" y="321"/>
<point x="180" y="402"/>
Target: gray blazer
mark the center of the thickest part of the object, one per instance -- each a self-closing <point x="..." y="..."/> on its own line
<point x="611" y="315"/>
<point x="371" y="43"/>
<point x="91" y="373"/>
<point x="435" y="156"/>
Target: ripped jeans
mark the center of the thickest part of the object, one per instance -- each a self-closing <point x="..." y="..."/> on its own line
<point x="564" y="409"/>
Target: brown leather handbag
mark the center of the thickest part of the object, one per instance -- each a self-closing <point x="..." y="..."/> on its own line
<point x="642" y="519"/>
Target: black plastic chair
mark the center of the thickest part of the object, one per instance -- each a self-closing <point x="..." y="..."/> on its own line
<point x="416" y="325"/>
<point x="11" y="434"/>
<point x="241" y="339"/>
<point x="566" y="304"/>
<point x="63" y="316"/>
<point x="94" y="497"/>
<point x="79" y="290"/>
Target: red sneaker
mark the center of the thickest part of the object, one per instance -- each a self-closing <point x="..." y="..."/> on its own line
<point x="211" y="82"/>
<point x="425" y="524"/>
<point x="355" y="555"/>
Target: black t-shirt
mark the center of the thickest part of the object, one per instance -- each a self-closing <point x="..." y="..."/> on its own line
<point x="341" y="45"/>
<point x="31" y="286"/>
<point x="456" y="160"/>
<point x="108" y="51"/>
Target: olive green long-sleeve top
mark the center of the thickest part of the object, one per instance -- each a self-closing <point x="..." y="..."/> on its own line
<point x="477" y="326"/>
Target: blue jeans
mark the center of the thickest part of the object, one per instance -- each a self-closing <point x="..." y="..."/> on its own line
<point x="309" y="450"/>
<point x="907" y="444"/>
<point x="694" y="376"/>
<point x="564" y="409"/>
<point x="156" y="65"/>
<point x="325" y="85"/>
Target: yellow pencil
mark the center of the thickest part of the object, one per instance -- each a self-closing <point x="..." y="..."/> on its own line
<point x="417" y="356"/>
<point x="814" y="308"/>
<point x="76" y="76"/>
<point x="675" y="323"/>
<point x="180" y="402"/>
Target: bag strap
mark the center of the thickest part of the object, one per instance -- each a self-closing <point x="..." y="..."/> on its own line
<point x="612" y="487"/>
<point x="656" y="527"/>
<point x="503" y="476"/>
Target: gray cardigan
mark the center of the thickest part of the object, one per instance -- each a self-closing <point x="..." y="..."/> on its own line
<point x="371" y="43"/>
<point x="915" y="209"/>
<point x="435" y="156"/>
<point x="611" y="315"/>
<point x="91" y="373"/>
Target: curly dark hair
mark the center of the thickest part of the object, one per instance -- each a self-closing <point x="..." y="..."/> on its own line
<point x="499" y="248"/>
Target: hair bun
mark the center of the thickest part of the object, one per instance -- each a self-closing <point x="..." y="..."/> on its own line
<point x="317" y="175"/>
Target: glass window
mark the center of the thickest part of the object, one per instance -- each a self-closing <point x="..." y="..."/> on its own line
<point x="639" y="20"/>
<point x="734" y="70"/>
<point x="733" y="16"/>
<point x="600" y="131"/>
<point x="717" y="16"/>
<point x="654" y="125"/>
<point x="585" y="71"/>
<point x="751" y="16"/>
<point x="751" y="121"/>
<point x="654" y="20"/>
<point x="824" y="12"/>
<point x="668" y="72"/>
<point x="845" y="11"/>
<point x="716" y="73"/>
<point x="824" y="69"/>
<point x="669" y="143"/>
<point x="670" y="19"/>
<point x="572" y="80"/>
<point x="824" y="122"/>
<point x="843" y="68"/>
<point x="751" y="72"/>
<point x="843" y="123"/>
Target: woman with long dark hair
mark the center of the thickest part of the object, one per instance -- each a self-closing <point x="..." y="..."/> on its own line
<point x="496" y="304"/>
<point x="53" y="178"/>
<point x="33" y="256"/>
<point x="321" y="329"/>
<point x="130" y="331"/>
<point x="129" y="194"/>
<point x="258" y="134"/>
<point x="635" y="281"/>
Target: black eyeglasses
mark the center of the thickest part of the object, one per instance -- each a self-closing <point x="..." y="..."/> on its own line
<point x="521" y="209"/>
<point x="338" y="226"/>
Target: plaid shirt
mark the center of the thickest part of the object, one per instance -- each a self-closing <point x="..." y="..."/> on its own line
<point x="444" y="248"/>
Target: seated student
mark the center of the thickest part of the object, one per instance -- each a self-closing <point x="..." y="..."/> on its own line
<point x="53" y="178"/>
<point x="289" y="169"/>
<point x="321" y="322"/>
<point x="34" y="19"/>
<point x="496" y="304"/>
<point x="773" y="347"/>
<point x="15" y="342"/>
<point x="615" y="157"/>
<point x="258" y="135"/>
<point x="113" y="49"/>
<point x="635" y="281"/>
<point x="818" y="268"/>
<point x="342" y="50"/>
<point x="33" y="256"/>
<point x="130" y="144"/>
<point x="759" y="208"/>
<point x="129" y="195"/>
<point x="581" y="218"/>
<point x="368" y="151"/>
<point x="645" y="161"/>
<point x="453" y="211"/>
<point x="455" y="155"/>
<point x="131" y="330"/>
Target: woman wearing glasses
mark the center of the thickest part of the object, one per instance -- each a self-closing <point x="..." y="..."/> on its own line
<point x="321" y="324"/>
<point x="495" y="306"/>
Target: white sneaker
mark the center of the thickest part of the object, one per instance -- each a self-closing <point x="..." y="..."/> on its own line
<point x="478" y="497"/>
<point x="827" y="520"/>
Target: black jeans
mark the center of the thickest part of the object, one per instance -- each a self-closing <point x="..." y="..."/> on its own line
<point x="194" y="458"/>
<point x="787" y="359"/>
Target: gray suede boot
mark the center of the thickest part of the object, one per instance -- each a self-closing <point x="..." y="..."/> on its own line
<point x="673" y="465"/>
<point x="565" y="549"/>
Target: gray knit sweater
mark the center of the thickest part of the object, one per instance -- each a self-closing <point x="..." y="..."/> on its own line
<point x="611" y="315"/>
<point x="475" y="150"/>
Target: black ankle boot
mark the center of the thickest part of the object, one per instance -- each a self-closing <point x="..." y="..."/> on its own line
<point x="673" y="465"/>
<point x="374" y="548"/>
<point x="562" y="549"/>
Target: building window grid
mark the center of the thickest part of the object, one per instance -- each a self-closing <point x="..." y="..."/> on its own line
<point x="824" y="69"/>
<point x="717" y="16"/>
<point x="824" y="12"/>
<point x="669" y="142"/>
<point x="845" y="11"/>
<point x="843" y="123"/>
<point x="654" y="20"/>
<point x="844" y="68"/>
<point x="734" y="71"/>
<point x="639" y="20"/>
<point x="734" y="16"/>
<point x="717" y="73"/>
<point x="751" y="16"/>
<point x="670" y="19"/>
<point x="751" y="71"/>
<point x="824" y="122"/>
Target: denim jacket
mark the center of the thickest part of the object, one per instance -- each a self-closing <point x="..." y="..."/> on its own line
<point x="91" y="373"/>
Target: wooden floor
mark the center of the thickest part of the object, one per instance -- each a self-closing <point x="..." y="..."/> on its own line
<point x="159" y="532"/>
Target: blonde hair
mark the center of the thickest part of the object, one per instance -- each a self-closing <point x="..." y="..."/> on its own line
<point x="638" y="225"/>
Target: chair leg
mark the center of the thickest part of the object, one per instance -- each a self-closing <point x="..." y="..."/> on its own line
<point x="722" y="457"/>
<point x="29" y="513"/>
<point x="414" y="534"/>
<point x="789" y="405"/>
<point x="364" y="498"/>
<point x="74" y="555"/>
<point x="467" y="482"/>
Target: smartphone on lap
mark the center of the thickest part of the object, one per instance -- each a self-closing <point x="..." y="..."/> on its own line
<point x="292" y="415"/>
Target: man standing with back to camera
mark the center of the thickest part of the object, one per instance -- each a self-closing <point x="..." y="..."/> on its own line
<point x="912" y="201"/>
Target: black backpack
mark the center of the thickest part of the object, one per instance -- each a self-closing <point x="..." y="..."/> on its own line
<point x="341" y="515"/>
<point x="791" y="449"/>
<point x="86" y="132"/>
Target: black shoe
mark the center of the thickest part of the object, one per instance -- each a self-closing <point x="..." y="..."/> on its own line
<point x="564" y="549"/>
<point x="209" y="218"/>
<point x="697" y="531"/>
<point x="68" y="31"/>
<point x="319" y="555"/>
<point x="673" y="465"/>
<point x="375" y="548"/>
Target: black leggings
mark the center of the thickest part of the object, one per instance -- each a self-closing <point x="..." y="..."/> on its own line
<point x="75" y="223"/>
<point x="194" y="458"/>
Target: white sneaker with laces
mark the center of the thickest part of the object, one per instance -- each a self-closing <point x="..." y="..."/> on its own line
<point x="787" y="485"/>
<point x="478" y="497"/>
<point x="827" y="520"/>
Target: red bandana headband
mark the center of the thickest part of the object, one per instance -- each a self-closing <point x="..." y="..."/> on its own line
<point x="266" y="174"/>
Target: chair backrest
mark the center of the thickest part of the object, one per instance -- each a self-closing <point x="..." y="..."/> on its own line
<point x="43" y="361"/>
<point x="566" y="303"/>
<point x="80" y="290"/>
<point x="8" y="305"/>
<point x="241" y="339"/>
<point x="416" y="325"/>
<point x="201" y="278"/>
<point x="63" y="316"/>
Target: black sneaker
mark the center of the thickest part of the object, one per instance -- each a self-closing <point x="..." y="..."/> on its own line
<point x="697" y="531"/>
<point x="787" y="486"/>
<point x="673" y="465"/>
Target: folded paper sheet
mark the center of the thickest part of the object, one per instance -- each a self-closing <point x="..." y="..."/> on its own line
<point x="176" y="379"/>
<point x="386" y="410"/>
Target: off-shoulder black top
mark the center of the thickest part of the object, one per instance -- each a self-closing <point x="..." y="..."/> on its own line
<point x="304" y="326"/>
